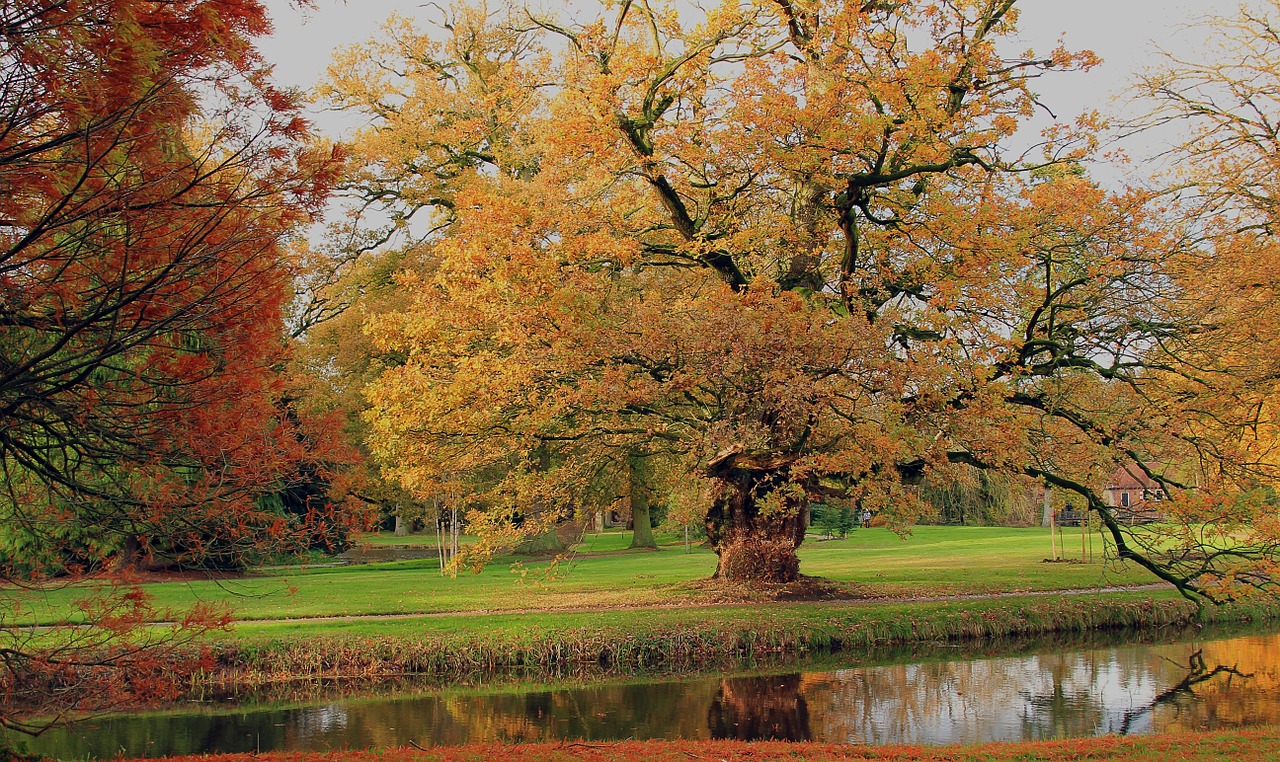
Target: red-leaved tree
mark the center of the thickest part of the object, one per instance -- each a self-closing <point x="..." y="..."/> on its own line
<point x="150" y="174"/>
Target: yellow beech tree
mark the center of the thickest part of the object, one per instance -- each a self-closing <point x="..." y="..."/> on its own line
<point x="783" y="246"/>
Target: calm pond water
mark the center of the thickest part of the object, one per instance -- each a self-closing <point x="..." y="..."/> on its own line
<point x="1128" y="688"/>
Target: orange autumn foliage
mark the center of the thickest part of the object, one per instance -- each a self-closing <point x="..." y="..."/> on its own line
<point x="785" y="250"/>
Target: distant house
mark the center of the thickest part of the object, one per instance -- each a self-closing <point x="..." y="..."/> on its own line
<point x="1132" y="494"/>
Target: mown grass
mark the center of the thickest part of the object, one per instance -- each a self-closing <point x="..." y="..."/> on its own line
<point x="600" y="573"/>
<point x="1239" y="745"/>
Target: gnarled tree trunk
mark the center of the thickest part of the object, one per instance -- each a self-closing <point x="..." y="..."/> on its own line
<point x="754" y="523"/>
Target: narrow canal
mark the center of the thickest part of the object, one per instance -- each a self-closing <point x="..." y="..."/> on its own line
<point x="1191" y="683"/>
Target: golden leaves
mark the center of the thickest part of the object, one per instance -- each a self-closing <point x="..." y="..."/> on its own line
<point x="791" y="233"/>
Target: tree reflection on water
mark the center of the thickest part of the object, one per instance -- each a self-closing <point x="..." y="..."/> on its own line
<point x="760" y="709"/>
<point x="1178" y="695"/>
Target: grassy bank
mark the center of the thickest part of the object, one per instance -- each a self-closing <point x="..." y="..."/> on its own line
<point x="1241" y="746"/>
<point x="546" y="645"/>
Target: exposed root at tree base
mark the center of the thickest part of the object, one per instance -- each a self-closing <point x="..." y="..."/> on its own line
<point x="804" y="588"/>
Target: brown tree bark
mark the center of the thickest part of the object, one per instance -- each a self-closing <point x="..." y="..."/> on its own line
<point x="130" y="556"/>
<point x="754" y="543"/>
<point x="642" y="529"/>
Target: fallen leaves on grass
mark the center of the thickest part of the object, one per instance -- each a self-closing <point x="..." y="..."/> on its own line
<point x="1256" y="745"/>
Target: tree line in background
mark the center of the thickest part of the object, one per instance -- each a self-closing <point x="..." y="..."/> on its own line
<point x="785" y="253"/>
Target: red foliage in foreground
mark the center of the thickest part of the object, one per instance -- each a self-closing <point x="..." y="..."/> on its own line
<point x="151" y="177"/>
<point x="1244" y="746"/>
<point x="121" y="663"/>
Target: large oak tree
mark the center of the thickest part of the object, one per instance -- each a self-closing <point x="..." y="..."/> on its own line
<point x="786" y="245"/>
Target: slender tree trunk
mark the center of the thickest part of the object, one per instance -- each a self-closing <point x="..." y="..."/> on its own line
<point x="754" y="545"/>
<point x="440" y="548"/>
<point x="440" y="545"/>
<point x="1052" y="520"/>
<point x="456" y="528"/>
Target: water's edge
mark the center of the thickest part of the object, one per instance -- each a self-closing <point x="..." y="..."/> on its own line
<point x="1046" y="687"/>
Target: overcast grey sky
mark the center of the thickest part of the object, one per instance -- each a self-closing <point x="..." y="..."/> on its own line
<point x="1125" y="33"/>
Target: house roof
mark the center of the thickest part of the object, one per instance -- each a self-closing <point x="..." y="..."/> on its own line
<point x="1129" y="476"/>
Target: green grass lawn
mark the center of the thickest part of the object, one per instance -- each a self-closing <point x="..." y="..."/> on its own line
<point x="600" y="573"/>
